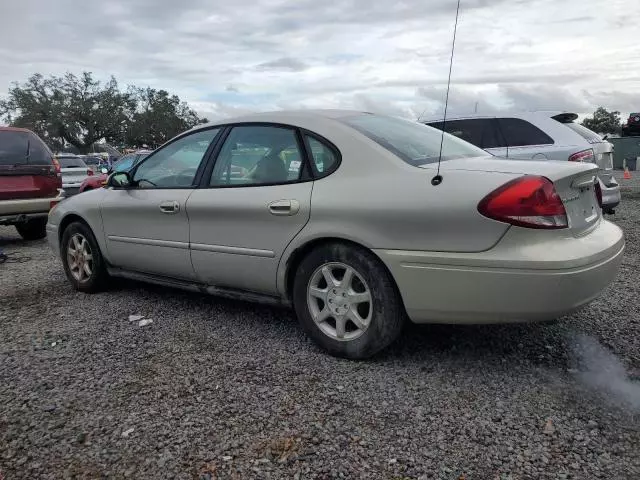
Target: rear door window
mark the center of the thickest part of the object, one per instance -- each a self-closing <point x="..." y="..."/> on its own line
<point x="520" y="133"/>
<point x="481" y="132"/>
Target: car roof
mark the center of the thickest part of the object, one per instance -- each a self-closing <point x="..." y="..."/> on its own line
<point x="524" y="114"/>
<point x="285" y="116"/>
<point x="14" y="129"/>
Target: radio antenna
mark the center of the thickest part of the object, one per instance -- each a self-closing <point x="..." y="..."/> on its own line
<point x="437" y="180"/>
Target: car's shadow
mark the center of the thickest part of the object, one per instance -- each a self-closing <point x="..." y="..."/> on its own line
<point x="535" y="343"/>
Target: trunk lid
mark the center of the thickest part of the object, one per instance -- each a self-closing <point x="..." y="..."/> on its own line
<point x="574" y="182"/>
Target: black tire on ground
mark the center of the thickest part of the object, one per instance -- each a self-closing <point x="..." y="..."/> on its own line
<point x="388" y="315"/>
<point x="34" y="229"/>
<point x="97" y="281"/>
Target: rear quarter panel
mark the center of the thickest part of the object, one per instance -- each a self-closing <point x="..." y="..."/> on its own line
<point x="377" y="200"/>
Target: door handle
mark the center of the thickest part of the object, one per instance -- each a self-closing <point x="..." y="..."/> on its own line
<point x="170" y="207"/>
<point x="284" y="207"/>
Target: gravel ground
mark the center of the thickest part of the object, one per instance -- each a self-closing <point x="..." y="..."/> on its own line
<point x="222" y="389"/>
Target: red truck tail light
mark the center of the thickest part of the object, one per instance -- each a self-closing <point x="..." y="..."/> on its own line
<point x="583" y="156"/>
<point x="89" y="172"/>
<point x="529" y="201"/>
<point x="56" y="166"/>
<point x="598" y="190"/>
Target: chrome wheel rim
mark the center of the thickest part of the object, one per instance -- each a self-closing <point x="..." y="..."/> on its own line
<point x="340" y="301"/>
<point x="79" y="258"/>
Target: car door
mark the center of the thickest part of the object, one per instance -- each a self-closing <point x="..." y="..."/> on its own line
<point x="252" y="204"/>
<point x="146" y="224"/>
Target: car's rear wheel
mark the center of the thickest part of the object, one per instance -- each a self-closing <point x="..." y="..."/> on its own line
<point x="82" y="259"/>
<point x="33" y="229"/>
<point x="346" y="301"/>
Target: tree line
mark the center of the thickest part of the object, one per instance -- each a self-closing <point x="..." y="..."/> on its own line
<point x="80" y="111"/>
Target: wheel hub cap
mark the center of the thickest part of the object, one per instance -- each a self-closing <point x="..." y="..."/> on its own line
<point x="339" y="301"/>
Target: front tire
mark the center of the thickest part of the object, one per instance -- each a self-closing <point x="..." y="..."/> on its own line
<point x="34" y="229"/>
<point x="347" y="301"/>
<point x="82" y="260"/>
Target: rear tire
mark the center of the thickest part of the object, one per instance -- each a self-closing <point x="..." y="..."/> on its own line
<point x="82" y="260"/>
<point x="353" y="318"/>
<point x="33" y="229"/>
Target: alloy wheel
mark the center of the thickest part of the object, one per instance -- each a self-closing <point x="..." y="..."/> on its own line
<point x="340" y="301"/>
<point x="80" y="258"/>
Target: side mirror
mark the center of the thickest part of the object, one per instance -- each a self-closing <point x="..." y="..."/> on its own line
<point x="119" y="180"/>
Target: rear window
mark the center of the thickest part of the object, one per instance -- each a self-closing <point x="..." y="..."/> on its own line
<point x="589" y="135"/>
<point x="71" y="162"/>
<point x="413" y="142"/>
<point x="22" y="148"/>
<point x="520" y="133"/>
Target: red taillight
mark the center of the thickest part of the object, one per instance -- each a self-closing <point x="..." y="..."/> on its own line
<point x="53" y="203"/>
<point x="56" y="166"/>
<point x="583" y="156"/>
<point x="89" y="172"/>
<point x="598" y="191"/>
<point x="528" y="201"/>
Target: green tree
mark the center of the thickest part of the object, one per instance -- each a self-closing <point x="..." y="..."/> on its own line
<point x="158" y="117"/>
<point x="68" y="110"/>
<point x="79" y="111"/>
<point x="603" y="121"/>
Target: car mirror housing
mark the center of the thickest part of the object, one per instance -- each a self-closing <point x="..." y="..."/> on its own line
<point x="119" y="180"/>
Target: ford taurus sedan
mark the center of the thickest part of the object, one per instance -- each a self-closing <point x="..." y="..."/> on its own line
<point x="358" y="221"/>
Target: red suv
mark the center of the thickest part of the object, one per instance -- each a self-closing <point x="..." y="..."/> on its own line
<point x="632" y="128"/>
<point x="30" y="182"/>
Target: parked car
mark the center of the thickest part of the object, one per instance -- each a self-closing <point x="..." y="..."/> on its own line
<point x="125" y="163"/>
<point x="30" y="182"/>
<point x="539" y="136"/>
<point x="632" y="128"/>
<point x="74" y="173"/>
<point x="382" y="232"/>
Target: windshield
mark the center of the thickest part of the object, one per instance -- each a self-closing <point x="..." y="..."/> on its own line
<point x="71" y="162"/>
<point x="413" y="142"/>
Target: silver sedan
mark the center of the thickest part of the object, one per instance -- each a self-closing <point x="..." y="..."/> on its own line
<point x="358" y="221"/>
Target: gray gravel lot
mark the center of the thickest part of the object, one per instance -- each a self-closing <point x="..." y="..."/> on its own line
<point x="222" y="389"/>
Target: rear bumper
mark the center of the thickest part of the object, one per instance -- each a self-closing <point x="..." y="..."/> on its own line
<point x="513" y="282"/>
<point x="611" y="195"/>
<point x="30" y="207"/>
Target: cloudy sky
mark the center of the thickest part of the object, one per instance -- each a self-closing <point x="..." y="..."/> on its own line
<point x="227" y="58"/>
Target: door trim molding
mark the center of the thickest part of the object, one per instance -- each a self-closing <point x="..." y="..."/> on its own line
<point x="252" y="252"/>
<point x="149" y="241"/>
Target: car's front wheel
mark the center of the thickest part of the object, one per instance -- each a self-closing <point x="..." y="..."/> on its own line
<point x="82" y="260"/>
<point x="34" y="229"/>
<point x="347" y="301"/>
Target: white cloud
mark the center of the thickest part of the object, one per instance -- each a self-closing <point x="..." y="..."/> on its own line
<point x="227" y="58"/>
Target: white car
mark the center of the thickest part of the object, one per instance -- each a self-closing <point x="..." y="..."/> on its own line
<point x="368" y="230"/>
<point x="74" y="171"/>
<point x="539" y="136"/>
